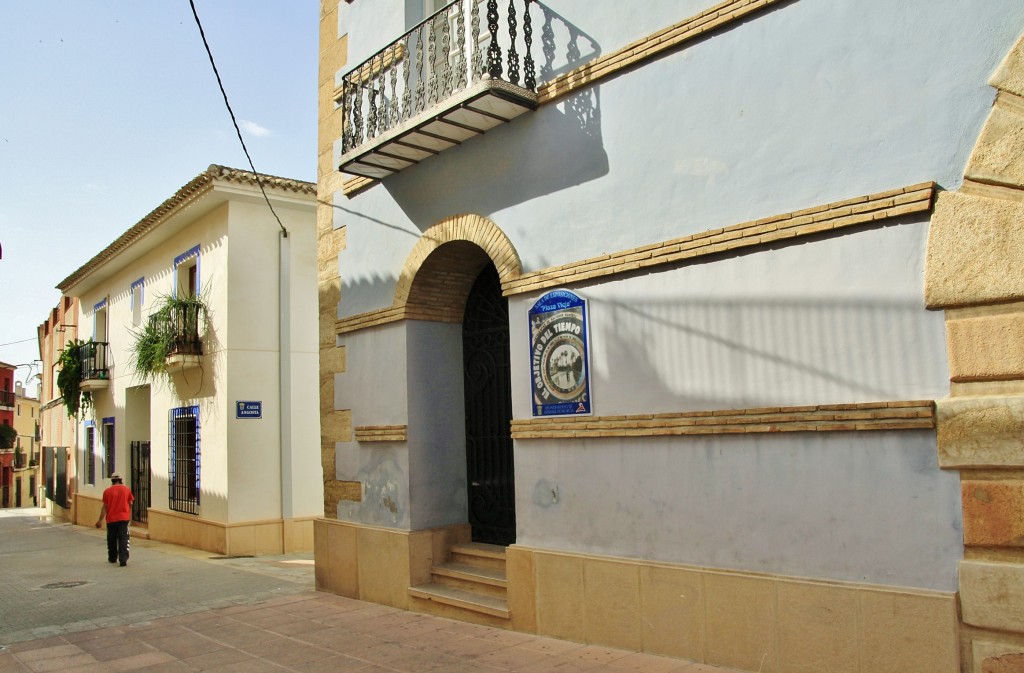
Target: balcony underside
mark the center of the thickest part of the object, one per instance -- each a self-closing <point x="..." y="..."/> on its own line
<point x="180" y="362"/>
<point x="451" y="122"/>
<point x="94" y="384"/>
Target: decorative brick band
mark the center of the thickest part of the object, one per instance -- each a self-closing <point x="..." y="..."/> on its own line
<point x="910" y="415"/>
<point x="815" y="220"/>
<point x="355" y="185"/>
<point x="645" y="49"/>
<point x="830" y="216"/>
<point x="382" y="433"/>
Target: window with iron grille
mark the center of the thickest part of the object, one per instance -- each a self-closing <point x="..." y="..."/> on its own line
<point x="108" y="447"/>
<point x="183" y="441"/>
<point x="90" y="452"/>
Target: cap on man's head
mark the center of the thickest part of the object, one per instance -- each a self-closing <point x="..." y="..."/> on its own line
<point x="116" y="476"/>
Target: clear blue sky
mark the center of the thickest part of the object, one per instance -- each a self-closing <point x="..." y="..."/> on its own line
<point x="107" y="107"/>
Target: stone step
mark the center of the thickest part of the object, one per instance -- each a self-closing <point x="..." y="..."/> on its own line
<point x="462" y="598"/>
<point x="489" y="581"/>
<point x="478" y="554"/>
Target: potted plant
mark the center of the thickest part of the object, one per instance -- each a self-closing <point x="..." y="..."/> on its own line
<point x="69" y="379"/>
<point x="7" y="436"/>
<point x="176" y="327"/>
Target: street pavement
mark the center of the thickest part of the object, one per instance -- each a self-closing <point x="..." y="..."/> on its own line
<point x="173" y="609"/>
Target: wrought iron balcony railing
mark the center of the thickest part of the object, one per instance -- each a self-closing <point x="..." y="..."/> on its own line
<point x="448" y="79"/>
<point x="184" y="328"/>
<point x="7" y="398"/>
<point x="93" y="356"/>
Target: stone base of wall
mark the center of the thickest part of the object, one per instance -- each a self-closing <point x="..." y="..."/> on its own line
<point x="746" y="621"/>
<point x="246" y="538"/>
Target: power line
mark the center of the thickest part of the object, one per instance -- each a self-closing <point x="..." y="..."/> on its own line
<point x="231" y="112"/>
<point x="23" y="341"/>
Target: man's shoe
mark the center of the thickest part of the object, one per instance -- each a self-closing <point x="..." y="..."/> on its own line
<point x="124" y="563"/>
<point x="111" y="560"/>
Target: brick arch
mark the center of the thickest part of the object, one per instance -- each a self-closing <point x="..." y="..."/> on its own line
<point x="444" y="263"/>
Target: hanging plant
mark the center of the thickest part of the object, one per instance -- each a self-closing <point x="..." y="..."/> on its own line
<point x="7" y="436"/>
<point x="176" y="326"/>
<point x="69" y="379"/>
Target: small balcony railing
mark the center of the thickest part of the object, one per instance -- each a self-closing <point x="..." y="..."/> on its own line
<point x="184" y="328"/>
<point x="462" y="71"/>
<point x="7" y="399"/>
<point x="95" y="370"/>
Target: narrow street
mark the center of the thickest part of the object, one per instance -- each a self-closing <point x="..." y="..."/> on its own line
<point x="173" y="609"/>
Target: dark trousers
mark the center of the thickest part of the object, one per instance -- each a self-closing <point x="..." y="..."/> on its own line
<point x="117" y="541"/>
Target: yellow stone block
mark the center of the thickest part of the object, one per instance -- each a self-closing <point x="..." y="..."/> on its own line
<point x="997" y="656"/>
<point x="980" y="431"/>
<point x="385" y="554"/>
<point x="740" y="618"/>
<point x="992" y="595"/>
<point x="1010" y="74"/>
<point x="817" y="628"/>
<point x="986" y="348"/>
<point x="522" y="590"/>
<point x="975" y="251"/>
<point x="999" y="154"/>
<point x="611" y="598"/>
<point x="673" y="612"/>
<point x="908" y="632"/>
<point x="560" y="598"/>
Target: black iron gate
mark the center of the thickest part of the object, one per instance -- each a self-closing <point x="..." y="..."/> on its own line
<point x="140" y="482"/>
<point x="489" y="465"/>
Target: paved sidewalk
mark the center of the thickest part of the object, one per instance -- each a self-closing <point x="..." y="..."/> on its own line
<point x="279" y="625"/>
<point x="55" y="579"/>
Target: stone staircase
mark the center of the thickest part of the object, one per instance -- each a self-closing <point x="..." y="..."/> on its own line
<point x="470" y="585"/>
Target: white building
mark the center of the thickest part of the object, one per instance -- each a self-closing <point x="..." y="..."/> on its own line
<point x="220" y="448"/>
<point x="705" y="316"/>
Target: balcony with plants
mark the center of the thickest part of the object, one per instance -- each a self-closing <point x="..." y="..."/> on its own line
<point x="172" y="339"/>
<point x="461" y="72"/>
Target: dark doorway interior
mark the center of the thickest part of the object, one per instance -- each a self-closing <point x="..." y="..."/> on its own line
<point x="489" y="465"/>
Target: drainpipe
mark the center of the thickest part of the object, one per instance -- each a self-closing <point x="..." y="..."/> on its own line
<point x="285" y="379"/>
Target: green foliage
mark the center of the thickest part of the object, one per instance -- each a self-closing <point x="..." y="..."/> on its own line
<point x="7" y="436"/>
<point x="176" y="326"/>
<point x="69" y="379"/>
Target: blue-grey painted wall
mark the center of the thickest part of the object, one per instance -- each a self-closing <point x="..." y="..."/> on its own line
<point x="809" y="103"/>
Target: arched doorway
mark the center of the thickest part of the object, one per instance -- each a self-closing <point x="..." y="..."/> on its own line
<point x="488" y="401"/>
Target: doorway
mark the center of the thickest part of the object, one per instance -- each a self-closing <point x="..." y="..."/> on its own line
<point x="488" y="401"/>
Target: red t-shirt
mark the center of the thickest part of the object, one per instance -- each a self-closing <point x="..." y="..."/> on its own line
<point x="118" y="499"/>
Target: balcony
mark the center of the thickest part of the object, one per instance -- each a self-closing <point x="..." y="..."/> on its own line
<point x="95" y="373"/>
<point x="7" y="399"/>
<point x="447" y="80"/>
<point x="183" y="322"/>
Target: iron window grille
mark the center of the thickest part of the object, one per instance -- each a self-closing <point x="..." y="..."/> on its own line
<point x="108" y="447"/>
<point x="90" y="453"/>
<point x="183" y="441"/>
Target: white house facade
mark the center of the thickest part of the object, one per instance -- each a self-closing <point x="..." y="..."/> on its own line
<point x="218" y="440"/>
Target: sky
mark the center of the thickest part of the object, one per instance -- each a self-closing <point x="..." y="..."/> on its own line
<point x="108" y="107"/>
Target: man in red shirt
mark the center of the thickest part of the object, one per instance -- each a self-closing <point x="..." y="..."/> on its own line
<point x="117" y="508"/>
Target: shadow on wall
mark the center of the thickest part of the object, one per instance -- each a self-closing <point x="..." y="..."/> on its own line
<point x="691" y="354"/>
<point x="555" y="148"/>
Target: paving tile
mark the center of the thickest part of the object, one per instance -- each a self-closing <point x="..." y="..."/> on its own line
<point x="514" y="658"/>
<point x="646" y="663"/>
<point x="601" y="655"/>
<point x="139" y="661"/>
<point x="58" y="663"/>
<point x="468" y="646"/>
